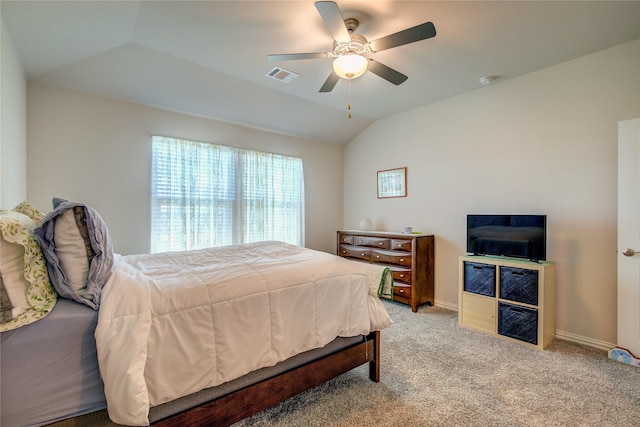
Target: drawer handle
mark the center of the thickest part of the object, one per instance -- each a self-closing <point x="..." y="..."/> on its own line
<point x="401" y="259"/>
<point x="362" y="254"/>
<point x="399" y="245"/>
<point x="344" y="252"/>
<point x="359" y="241"/>
<point x="378" y="256"/>
<point x="402" y="275"/>
<point x="402" y="291"/>
<point x="380" y="243"/>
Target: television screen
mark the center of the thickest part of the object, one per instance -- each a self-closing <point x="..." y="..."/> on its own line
<point x="518" y="236"/>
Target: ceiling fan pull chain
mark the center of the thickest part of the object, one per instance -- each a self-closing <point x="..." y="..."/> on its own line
<point x="349" y="99"/>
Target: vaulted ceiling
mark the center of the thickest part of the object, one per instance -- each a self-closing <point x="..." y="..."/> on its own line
<point x="209" y="58"/>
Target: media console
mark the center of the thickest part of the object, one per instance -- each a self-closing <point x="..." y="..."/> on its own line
<point x="510" y="298"/>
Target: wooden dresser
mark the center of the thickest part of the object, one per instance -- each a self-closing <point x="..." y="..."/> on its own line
<point x="409" y="256"/>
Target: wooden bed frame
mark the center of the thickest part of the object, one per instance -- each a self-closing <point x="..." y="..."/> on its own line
<point x="250" y="400"/>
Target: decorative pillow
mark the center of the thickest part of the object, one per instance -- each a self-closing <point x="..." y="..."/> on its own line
<point x="72" y="250"/>
<point x="6" y="308"/>
<point x="62" y="234"/>
<point x="27" y="209"/>
<point x="24" y="271"/>
<point x="12" y="267"/>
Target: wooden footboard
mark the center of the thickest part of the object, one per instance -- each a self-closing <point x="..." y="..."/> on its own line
<point x="243" y="403"/>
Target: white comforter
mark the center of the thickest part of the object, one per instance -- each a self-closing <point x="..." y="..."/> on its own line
<point x="175" y="323"/>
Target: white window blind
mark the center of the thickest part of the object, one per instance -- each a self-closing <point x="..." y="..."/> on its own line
<point x="207" y="195"/>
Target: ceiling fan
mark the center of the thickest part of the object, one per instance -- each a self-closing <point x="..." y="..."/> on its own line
<point x="351" y="51"/>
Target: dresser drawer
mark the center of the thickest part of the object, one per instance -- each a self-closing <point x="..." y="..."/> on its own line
<point x="346" y="239"/>
<point x="374" y="242"/>
<point x="403" y="291"/>
<point x="391" y="257"/>
<point x="401" y="245"/>
<point x="355" y="252"/>
<point x="401" y="275"/>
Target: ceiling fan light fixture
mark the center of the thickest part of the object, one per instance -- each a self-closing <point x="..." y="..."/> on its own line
<point x="350" y="65"/>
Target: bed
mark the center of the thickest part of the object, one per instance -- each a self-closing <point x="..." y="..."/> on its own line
<point x="62" y="396"/>
<point x="171" y="342"/>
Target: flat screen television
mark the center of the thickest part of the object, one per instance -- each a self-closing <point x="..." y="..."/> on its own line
<point x="517" y="236"/>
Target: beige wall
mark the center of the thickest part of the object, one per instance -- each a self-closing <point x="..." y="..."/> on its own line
<point x="13" y="126"/>
<point x="543" y="143"/>
<point x="98" y="151"/>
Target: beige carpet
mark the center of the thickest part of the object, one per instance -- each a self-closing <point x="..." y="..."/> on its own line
<point x="435" y="373"/>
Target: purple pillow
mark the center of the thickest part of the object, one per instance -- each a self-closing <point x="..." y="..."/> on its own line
<point x="99" y="252"/>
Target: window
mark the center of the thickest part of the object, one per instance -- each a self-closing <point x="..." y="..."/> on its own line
<point x="205" y="195"/>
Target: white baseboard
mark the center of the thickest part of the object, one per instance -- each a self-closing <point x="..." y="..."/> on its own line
<point x="578" y="339"/>
<point x="444" y="304"/>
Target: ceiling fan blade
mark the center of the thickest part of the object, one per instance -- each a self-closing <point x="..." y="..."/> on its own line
<point x="330" y="83"/>
<point x="410" y="35"/>
<point x="386" y="73"/>
<point x="333" y="19"/>
<point x="293" y="56"/>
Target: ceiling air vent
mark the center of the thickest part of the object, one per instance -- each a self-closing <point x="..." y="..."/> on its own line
<point x="281" y="74"/>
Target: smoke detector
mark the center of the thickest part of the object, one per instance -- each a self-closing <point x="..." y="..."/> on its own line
<point x="486" y="80"/>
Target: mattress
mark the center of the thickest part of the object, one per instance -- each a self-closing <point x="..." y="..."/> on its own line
<point x="35" y="393"/>
<point x="50" y="368"/>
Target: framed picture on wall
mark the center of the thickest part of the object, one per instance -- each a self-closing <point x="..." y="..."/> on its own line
<point x="392" y="183"/>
